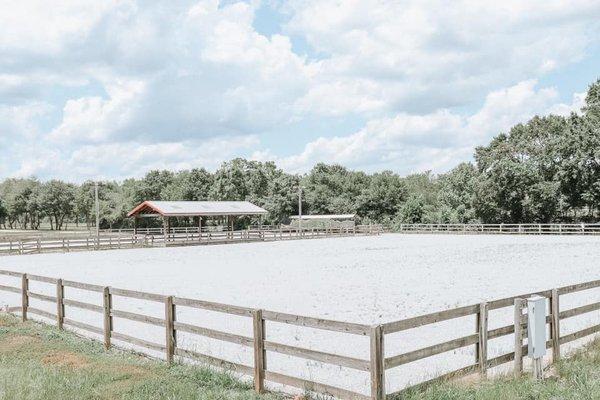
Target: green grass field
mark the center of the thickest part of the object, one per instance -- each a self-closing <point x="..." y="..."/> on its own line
<point x="577" y="377"/>
<point x="38" y="362"/>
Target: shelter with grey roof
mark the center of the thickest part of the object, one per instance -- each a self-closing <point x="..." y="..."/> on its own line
<point x="199" y="209"/>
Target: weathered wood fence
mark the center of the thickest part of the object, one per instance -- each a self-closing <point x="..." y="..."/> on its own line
<point x="517" y="229"/>
<point x="259" y="341"/>
<point x="177" y="237"/>
<point x="376" y="365"/>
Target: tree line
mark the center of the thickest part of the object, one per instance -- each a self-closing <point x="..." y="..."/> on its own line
<point x="544" y="170"/>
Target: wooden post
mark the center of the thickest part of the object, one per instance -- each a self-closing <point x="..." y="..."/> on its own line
<point x="108" y="323"/>
<point x="24" y="296"/>
<point x="555" y="325"/>
<point x="259" y="351"/>
<point x="60" y="306"/>
<point x="170" y="328"/>
<point x="166" y="229"/>
<point x="377" y="363"/>
<point x="483" y="338"/>
<point x="518" y="316"/>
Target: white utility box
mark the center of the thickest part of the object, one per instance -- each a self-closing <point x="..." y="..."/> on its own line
<point x="536" y="327"/>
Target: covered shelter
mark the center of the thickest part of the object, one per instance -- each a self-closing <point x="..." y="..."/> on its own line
<point x="199" y="209"/>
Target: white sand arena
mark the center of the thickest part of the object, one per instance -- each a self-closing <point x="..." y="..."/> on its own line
<point x="356" y="279"/>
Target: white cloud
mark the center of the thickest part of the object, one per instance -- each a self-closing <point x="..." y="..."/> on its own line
<point x="204" y="72"/>
<point x="127" y="159"/>
<point x="152" y="84"/>
<point x="37" y="27"/>
<point x="418" y="56"/>
<point x="435" y="141"/>
<point x="94" y="119"/>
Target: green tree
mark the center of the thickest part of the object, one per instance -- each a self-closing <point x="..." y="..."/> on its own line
<point x="57" y="199"/>
<point x="412" y="210"/>
<point x="382" y="198"/>
<point x="333" y="189"/>
<point x="456" y="195"/>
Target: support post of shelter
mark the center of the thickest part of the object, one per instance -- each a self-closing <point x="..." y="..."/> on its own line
<point x="135" y="224"/>
<point x="166" y="228"/>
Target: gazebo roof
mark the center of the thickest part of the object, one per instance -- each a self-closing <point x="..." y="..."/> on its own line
<point x="196" y="208"/>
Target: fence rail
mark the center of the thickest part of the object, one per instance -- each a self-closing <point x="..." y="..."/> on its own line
<point x="376" y="365"/>
<point x="517" y="229"/>
<point x="175" y="237"/>
<point x="259" y="340"/>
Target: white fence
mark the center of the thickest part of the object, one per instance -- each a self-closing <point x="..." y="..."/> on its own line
<point x="517" y="229"/>
<point x="176" y="237"/>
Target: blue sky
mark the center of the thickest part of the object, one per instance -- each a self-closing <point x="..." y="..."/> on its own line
<point x="108" y="90"/>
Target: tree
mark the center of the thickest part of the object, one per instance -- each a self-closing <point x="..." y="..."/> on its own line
<point x="193" y="185"/>
<point x="20" y="199"/>
<point x="382" y="198"/>
<point x="57" y="200"/>
<point x="413" y="210"/>
<point x="457" y="194"/>
<point x="333" y="189"/>
<point x="3" y="214"/>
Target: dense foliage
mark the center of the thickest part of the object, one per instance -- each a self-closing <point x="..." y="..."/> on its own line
<point x="547" y="169"/>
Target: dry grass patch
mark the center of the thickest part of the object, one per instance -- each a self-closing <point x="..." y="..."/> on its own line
<point x="38" y="362"/>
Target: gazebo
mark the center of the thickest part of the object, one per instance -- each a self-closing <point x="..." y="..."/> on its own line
<point x="200" y="209"/>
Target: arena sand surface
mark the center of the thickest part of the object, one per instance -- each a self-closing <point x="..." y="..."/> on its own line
<point x="367" y="280"/>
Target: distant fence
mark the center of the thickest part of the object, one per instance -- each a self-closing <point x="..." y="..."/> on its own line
<point x="516" y="229"/>
<point x="376" y="365"/>
<point x="176" y="237"/>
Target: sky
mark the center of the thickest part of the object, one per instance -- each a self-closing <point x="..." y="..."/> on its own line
<point x="112" y="89"/>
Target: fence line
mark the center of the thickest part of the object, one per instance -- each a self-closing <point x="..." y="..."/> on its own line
<point x="517" y="229"/>
<point x="176" y="238"/>
<point x="376" y="365"/>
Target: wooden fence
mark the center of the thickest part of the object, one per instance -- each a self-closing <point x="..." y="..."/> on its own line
<point x="174" y="238"/>
<point x="376" y="365"/>
<point x="517" y="229"/>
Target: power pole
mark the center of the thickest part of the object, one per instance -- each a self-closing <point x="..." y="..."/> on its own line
<point x="97" y="204"/>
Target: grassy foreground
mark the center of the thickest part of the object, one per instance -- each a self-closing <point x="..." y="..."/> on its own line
<point x="40" y="362"/>
<point x="576" y="377"/>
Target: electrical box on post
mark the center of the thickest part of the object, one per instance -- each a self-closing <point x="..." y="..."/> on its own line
<point x="536" y="327"/>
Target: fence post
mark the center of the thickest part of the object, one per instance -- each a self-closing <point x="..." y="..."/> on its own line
<point x="518" y="337"/>
<point x="260" y="361"/>
<point x="377" y="363"/>
<point x="60" y="307"/>
<point x="555" y="325"/>
<point x="24" y="296"/>
<point x="107" y="317"/>
<point x="482" y="326"/>
<point x="170" y="328"/>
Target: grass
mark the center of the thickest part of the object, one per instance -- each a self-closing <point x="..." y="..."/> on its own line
<point x="576" y="377"/>
<point x="40" y="362"/>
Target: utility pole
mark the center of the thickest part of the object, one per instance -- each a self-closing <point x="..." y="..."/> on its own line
<point x="97" y="204"/>
<point x="300" y="208"/>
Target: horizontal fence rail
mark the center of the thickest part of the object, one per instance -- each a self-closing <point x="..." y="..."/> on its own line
<point x="517" y="229"/>
<point x="259" y="341"/>
<point x="175" y="237"/>
<point x="376" y="365"/>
